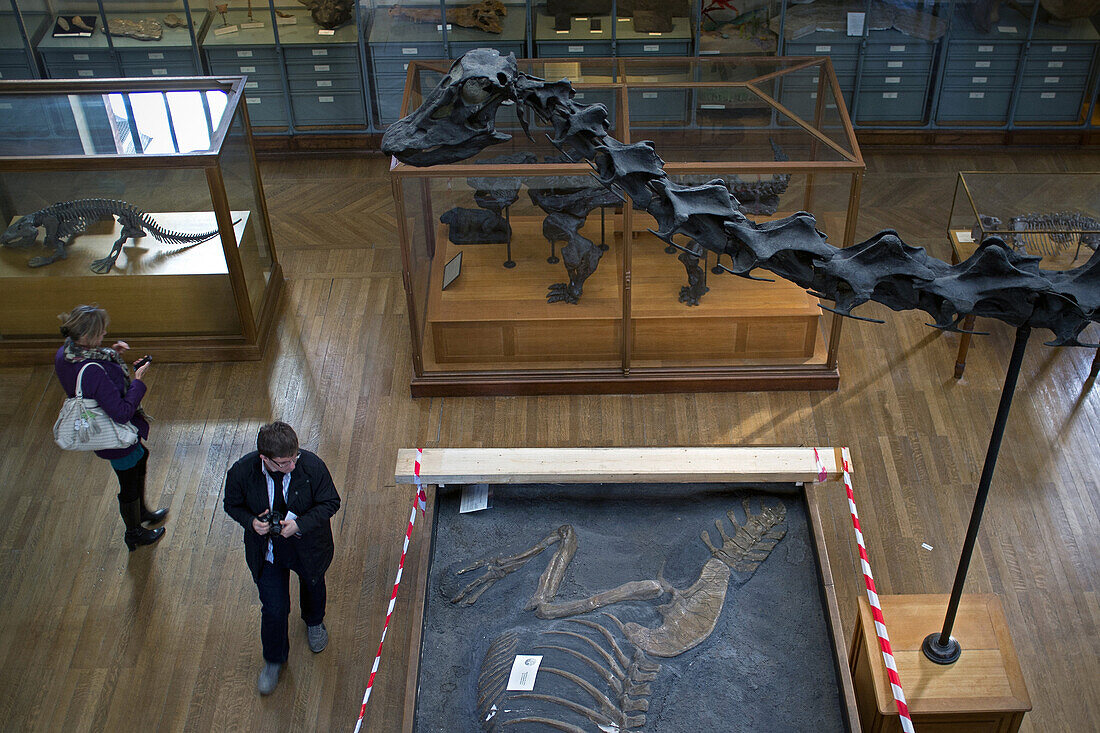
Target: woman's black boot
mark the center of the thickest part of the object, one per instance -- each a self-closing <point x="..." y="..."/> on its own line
<point x="135" y="533"/>
<point x="148" y="516"/>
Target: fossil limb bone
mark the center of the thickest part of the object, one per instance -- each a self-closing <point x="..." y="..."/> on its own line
<point x="457" y="120"/>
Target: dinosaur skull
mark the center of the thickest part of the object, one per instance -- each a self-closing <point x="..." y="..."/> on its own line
<point x="457" y="118"/>
<point x="22" y="233"/>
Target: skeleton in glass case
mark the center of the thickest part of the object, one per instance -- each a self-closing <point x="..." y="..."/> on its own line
<point x="457" y="119"/>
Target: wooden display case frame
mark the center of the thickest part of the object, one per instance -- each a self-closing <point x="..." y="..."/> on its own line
<point x="253" y="327"/>
<point x="740" y="464"/>
<point x="623" y="371"/>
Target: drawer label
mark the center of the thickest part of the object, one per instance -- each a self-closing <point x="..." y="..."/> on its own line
<point x="813" y="95"/>
<point x="80" y="57"/>
<point x="1054" y="64"/>
<point x="325" y="67"/>
<point x="897" y="49"/>
<point x="1006" y="29"/>
<point x="895" y="64"/>
<point x="156" y="56"/>
<point x="1048" y="95"/>
<point x="979" y="79"/>
<point x="85" y="72"/>
<point x="889" y="95"/>
<point x="253" y="100"/>
<point x="324" y="82"/>
<point x="985" y="49"/>
<point x="244" y="54"/>
<point x="325" y="100"/>
<point x="410" y="51"/>
<point x="651" y="47"/>
<point x="977" y="95"/>
<point x="712" y="106"/>
<point x="320" y="52"/>
<point x="252" y="85"/>
<point x="248" y="69"/>
<point x="982" y="64"/>
<point x="822" y="49"/>
<point x="578" y="95"/>
<point x="1051" y="79"/>
<point x="649" y="95"/>
<point x="405" y="67"/>
<point x="160" y="72"/>
<point x="5" y="105"/>
<point x="324" y="32"/>
<point x="575" y="49"/>
<point x="1058" y="49"/>
<point x="892" y="80"/>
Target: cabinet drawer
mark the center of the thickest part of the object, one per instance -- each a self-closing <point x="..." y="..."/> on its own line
<point x="263" y="85"/>
<point x="654" y="48"/>
<point x="1047" y="66"/>
<point x="327" y="85"/>
<point x="1037" y="105"/>
<point x="267" y="110"/>
<point x="887" y="65"/>
<point x="664" y="105"/>
<point x="974" y="106"/>
<point x="176" y="56"/>
<point x="429" y="50"/>
<point x="242" y="55"/>
<point x="1054" y="82"/>
<point x="551" y="49"/>
<point x="9" y="57"/>
<point x="81" y="71"/>
<point x="896" y="43"/>
<point x="248" y="67"/>
<point x="15" y="71"/>
<point x="846" y="82"/>
<point x="804" y="103"/>
<point x="971" y="49"/>
<point x="78" y="58"/>
<point x="322" y="68"/>
<point x="979" y="81"/>
<point x="834" y="48"/>
<point x="342" y="108"/>
<point x="1067" y="51"/>
<point x="395" y="82"/>
<point x="313" y="53"/>
<point x="892" y="106"/>
<point x="154" y="69"/>
<point x="389" y="109"/>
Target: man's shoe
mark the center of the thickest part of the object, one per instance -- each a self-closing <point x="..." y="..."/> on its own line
<point x="318" y="637"/>
<point x="269" y="678"/>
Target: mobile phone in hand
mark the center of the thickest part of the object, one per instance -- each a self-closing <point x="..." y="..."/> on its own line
<point x="142" y="361"/>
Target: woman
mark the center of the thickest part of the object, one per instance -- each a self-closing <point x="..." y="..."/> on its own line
<point x="109" y="383"/>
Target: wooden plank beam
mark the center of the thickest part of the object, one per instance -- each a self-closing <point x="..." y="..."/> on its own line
<point x="615" y="465"/>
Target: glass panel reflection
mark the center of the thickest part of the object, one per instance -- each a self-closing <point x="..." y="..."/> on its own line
<point x="136" y="123"/>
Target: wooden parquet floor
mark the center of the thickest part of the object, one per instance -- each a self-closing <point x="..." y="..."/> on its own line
<point x="94" y="638"/>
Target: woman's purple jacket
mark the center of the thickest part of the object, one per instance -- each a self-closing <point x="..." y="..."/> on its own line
<point x="107" y="386"/>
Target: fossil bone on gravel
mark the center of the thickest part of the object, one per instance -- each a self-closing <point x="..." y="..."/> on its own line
<point x="145" y="29"/>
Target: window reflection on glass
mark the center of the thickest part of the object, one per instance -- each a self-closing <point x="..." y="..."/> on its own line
<point x="159" y="123"/>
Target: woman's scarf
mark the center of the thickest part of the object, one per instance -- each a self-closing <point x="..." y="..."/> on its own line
<point x="75" y="353"/>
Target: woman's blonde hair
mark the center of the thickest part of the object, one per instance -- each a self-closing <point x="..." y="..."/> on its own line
<point x="84" y="320"/>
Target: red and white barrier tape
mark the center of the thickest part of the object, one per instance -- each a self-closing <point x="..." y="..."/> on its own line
<point x="421" y="503"/>
<point x="872" y="594"/>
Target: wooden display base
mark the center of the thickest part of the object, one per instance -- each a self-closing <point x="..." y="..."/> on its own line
<point x="495" y="319"/>
<point x="155" y="293"/>
<point x="983" y="692"/>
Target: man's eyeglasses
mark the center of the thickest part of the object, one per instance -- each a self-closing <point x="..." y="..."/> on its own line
<point x="284" y="462"/>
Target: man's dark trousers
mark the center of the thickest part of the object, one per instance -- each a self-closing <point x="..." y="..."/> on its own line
<point x="274" y="585"/>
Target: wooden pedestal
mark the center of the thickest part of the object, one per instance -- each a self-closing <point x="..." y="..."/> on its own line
<point x="983" y="692"/>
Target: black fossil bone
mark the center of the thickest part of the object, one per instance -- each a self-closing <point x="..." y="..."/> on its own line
<point x="995" y="282"/>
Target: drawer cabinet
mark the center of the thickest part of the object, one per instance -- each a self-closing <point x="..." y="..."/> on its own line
<point x="264" y="93"/>
<point x="325" y="85"/>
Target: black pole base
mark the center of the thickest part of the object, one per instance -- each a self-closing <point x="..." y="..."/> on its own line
<point x="947" y="654"/>
<point x="509" y="264"/>
<point x="670" y="249"/>
<point x="604" y="247"/>
<point x="553" y="260"/>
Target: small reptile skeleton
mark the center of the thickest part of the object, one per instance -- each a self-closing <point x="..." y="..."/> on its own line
<point x="65" y="220"/>
<point x="1047" y="234"/>
<point x="614" y="699"/>
<point x="457" y="120"/>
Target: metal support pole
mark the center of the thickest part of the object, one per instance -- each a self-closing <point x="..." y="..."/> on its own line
<point x="941" y="648"/>
<point x="509" y="263"/>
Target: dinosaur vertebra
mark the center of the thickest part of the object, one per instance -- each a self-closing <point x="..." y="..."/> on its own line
<point x="63" y="221"/>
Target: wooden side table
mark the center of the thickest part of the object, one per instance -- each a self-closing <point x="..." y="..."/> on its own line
<point x="983" y="692"/>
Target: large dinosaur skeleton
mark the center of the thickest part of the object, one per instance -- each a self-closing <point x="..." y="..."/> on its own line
<point x="621" y="687"/>
<point x="457" y="120"/>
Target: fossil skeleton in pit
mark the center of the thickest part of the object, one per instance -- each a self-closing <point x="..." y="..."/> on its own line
<point x="620" y="688"/>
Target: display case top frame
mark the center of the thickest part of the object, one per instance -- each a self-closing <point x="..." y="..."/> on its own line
<point x="60" y="91"/>
<point x="825" y="139"/>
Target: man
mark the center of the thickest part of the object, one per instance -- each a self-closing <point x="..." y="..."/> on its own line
<point x="283" y="497"/>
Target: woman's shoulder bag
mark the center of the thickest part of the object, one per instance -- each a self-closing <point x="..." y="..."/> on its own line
<point x="83" y="425"/>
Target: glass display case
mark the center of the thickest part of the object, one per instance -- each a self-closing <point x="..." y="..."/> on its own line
<point x="739" y="29"/>
<point x="482" y="240"/>
<point x="112" y="38"/>
<point x="1053" y="216"/>
<point x="144" y="197"/>
<point x="21" y="27"/>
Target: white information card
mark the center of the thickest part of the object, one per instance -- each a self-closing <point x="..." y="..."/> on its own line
<point x="524" y="669"/>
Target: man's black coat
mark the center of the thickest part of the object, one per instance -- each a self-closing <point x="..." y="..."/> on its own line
<point x="311" y="495"/>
